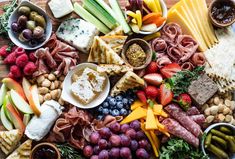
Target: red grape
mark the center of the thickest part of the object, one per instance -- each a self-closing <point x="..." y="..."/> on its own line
<point x="125" y="152"/>
<point x="115" y="140"/>
<point x="94" y="138"/>
<point x="124" y="128"/>
<point x="142" y="154"/>
<point x="88" y="151"/>
<point x="135" y="125"/>
<point x="102" y="144"/>
<point x="131" y="133"/>
<point x="134" y="145"/>
<point x="114" y="153"/>
<point x="94" y="157"/>
<point x="143" y="143"/>
<point x="105" y="133"/>
<point x="115" y="127"/>
<point x="125" y="140"/>
<point x="104" y="154"/>
<point x="96" y="150"/>
<point x="140" y="135"/>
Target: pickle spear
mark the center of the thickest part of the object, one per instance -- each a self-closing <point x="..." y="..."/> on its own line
<point x="208" y="140"/>
<point x="225" y="130"/>
<point x="220" y="141"/>
<point x="218" y="152"/>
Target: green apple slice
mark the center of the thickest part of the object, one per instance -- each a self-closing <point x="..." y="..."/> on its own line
<point x="5" y="122"/>
<point x="3" y="92"/>
<point x="26" y="86"/>
<point x="26" y="119"/>
<point x="5" y="102"/>
<point x="20" y="103"/>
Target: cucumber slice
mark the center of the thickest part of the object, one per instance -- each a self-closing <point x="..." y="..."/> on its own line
<point x="90" y="18"/>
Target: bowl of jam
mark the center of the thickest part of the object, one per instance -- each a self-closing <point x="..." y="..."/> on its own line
<point x="45" y="151"/>
<point x="222" y="12"/>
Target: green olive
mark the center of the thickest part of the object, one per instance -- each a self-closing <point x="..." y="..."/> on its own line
<point x="38" y="32"/>
<point x="40" y="20"/>
<point x="32" y="15"/>
<point x="31" y="25"/>
<point x="25" y="10"/>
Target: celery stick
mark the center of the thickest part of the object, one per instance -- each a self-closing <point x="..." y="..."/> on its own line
<point x="107" y="8"/>
<point x="95" y="9"/>
<point x="90" y="18"/>
<point x="121" y="19"/>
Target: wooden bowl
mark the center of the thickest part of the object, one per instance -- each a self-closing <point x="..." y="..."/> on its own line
<point x="214" y="21"/>
<point x="144" y="45"/>
<point x="47" y="145"/>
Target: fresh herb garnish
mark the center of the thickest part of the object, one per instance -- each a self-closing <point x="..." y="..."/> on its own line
<point x="180" y="82"/>
<point x="179" y="149"/>
<point x="8" y="9"/>
<point x="67" y="152"/>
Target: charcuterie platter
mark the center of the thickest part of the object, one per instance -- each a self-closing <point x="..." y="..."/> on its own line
<point x="117" y="79"/>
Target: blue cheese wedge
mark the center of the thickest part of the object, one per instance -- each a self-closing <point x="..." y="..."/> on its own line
<point x="60" y="8"/>
<point x="78" y="33"/>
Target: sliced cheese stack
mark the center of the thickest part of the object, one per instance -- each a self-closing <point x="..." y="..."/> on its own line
<point x="192" y="16"/>
<point x="128" y="81"/>
<point x="22" y="152"/>
<point x="9" y="140"/>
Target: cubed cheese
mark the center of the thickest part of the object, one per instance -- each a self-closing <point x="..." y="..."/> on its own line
<point x="60" y="8"/>
<point x="77" y="33"/>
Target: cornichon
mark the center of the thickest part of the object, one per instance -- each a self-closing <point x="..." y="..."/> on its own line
<point x="231" y="143"/>
<point x="218" y="152"/>
<point x="208" y="140"/>
<point x="220" y="141"/>
<point x="225" y="130"/>
<point x="218" y="133"/>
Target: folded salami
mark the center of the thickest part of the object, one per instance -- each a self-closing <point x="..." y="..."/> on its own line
<point x="177" y="130"/>
<point x="177" y="113"/>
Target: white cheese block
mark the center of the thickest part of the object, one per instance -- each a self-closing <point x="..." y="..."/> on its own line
<point x="60" y="8"/>
<point x="78" y="33"/>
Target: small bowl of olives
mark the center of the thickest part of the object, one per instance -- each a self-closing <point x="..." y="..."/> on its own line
<point x="30" y="27"/>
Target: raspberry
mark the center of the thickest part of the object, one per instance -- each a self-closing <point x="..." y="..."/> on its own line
<point x="10" y="59"/>
<point x="3" y="51"/>
<point x="10" y="75"/>
<point x="19" y="51"/>
<point x="22" y="60"/>
<point x="32" y="57"/>
<point x="30" y="68"/>
<point x="15" y="70"/>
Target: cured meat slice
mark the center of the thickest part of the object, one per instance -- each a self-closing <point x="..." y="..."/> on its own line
<point x="174" y="53"/>
<point x="199" y="119"/>
<point x="177" y="113"/>
<point x="162" y="60"/>
<point x="187" y="66"/>
<point x="158" y="45"/>
<point x="193" y="111"/>
<point x="176" y="129"/>
<point x="198" y="59"/>
<point x="170" y="32"/>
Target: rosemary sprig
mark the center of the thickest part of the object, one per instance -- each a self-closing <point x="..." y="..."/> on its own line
<point x="68" y="152"/>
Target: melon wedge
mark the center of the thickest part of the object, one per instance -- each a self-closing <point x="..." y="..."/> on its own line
<point x="20" y="103"/>
<point x="34" y="100"/>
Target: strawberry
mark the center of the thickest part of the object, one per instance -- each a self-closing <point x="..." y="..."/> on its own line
<point x="166" y="95"/>
<point x="151" y="68"/>
<point x="184" y="101"/>
<point x="151" y="92"/>
<point x="171" y="69"/>
<point x="153" y="78"/>
<point x="141" y="95"/>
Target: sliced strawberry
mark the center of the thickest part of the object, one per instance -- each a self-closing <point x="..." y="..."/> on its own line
<point x="151" y="68"/>
<point x="171" y="69"/>
<point x="153" y="78"/>
<point x="141" y="95"/>
<point x="151" y="92"/>
<point x="166" y="95"/>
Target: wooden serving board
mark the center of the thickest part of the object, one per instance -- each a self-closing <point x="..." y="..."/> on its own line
<point x="43" y="4"/>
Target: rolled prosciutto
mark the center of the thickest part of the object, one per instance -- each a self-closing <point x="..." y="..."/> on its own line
<point x="177" y="130"/>
<point x="177" y="113"/>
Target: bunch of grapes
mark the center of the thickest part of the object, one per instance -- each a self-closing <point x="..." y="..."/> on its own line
<point x="116" y="106"/>
<point x="125" y="141"/>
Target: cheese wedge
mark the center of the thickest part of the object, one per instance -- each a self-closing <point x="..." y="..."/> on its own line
<point x="116" y="42"/>
<point x="112" y="69"/>
<point x="128" y="81"/>
<point x="23" y="151"/>
<point x="9" y="140"/>
<point x="102" y="53"/>
<point x="177" y="17"/>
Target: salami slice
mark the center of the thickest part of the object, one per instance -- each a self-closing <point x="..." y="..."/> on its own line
<point x="177" y="113"/>
<point x="193" y="111"/>
<point x="177" y="130"/>
<point x="199" y="119"/>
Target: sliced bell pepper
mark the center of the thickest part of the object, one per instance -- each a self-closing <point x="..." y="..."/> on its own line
<point x="139" y="18"/>
<point x="152" y="36"/>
